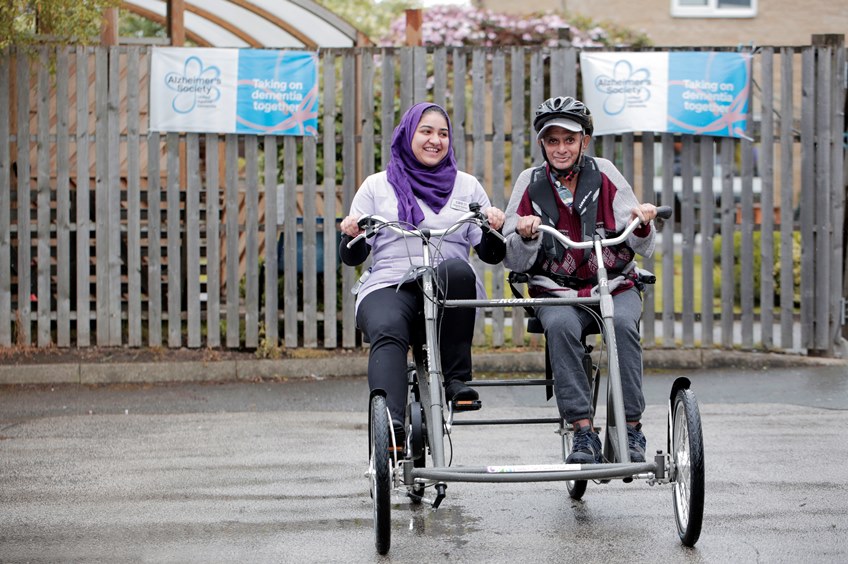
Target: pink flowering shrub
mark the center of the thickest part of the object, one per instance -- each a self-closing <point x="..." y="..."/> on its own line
<point x="456" y="26"/>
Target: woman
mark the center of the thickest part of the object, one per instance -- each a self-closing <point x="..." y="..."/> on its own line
<point x="580" y="196"/>
<point x="421" y="187"/>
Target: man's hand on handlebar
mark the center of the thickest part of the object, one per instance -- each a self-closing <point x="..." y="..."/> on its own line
<point x="644" y="212"/>
<point x="527" y="226"/>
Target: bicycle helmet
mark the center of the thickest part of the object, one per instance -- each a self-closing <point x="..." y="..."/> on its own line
<point x="563" y="107"/>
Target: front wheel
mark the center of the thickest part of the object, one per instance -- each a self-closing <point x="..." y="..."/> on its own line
<point x="688" y="458"/>
<point x="380" y="470"/>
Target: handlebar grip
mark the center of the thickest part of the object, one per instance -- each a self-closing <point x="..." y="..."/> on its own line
<point x="664" y="212"/>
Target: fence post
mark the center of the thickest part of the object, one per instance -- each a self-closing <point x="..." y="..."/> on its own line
<point x="829" y="209"/>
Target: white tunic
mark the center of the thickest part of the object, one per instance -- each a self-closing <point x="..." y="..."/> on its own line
<point x="393" y="255"/>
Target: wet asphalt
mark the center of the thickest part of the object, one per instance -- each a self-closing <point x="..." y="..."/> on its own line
<point x="273" y="471"/>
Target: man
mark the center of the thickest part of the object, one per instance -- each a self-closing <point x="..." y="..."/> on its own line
<point x="580" y="196"/>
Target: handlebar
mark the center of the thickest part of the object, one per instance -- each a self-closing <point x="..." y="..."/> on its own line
<point x="372" y="224"/>
<point x="663" y="212"/>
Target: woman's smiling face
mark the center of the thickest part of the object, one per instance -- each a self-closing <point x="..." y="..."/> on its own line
<point x="431" y="141"/>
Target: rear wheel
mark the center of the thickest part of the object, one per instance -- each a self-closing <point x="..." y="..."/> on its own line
<point x="381" y="473"/>
<point x="688" y="458"/>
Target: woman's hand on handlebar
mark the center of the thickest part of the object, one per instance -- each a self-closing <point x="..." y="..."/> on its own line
<point x="350" y="226"/>
<point x="495" y="217"/>
<point x="644" y="212"/>
<point x="528" y="226"/>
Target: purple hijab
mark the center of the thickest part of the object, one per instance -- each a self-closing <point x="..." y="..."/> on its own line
<point x="411" y="179"/>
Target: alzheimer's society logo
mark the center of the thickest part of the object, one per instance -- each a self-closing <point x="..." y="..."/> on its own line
<point x="626" y="88"/>
<point x="197" y="86"/>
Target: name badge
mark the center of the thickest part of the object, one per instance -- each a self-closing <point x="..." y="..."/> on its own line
<point x="459" y="205"/>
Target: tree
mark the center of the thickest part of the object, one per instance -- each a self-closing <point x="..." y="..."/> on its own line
<point x="25" y="22"/>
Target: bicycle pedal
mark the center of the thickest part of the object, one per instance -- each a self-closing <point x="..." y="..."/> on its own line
<point x="466" y="405"/>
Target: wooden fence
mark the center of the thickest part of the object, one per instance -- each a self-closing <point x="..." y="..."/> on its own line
<point x="117" y="236"/>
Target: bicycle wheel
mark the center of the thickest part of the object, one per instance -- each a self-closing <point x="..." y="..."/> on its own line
<point x="576" y="488"/>
<point x="380" y="471"/>
<point x="688" y="458"/>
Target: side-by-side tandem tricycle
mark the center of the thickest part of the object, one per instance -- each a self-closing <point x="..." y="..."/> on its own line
<point x="418" y="468"/>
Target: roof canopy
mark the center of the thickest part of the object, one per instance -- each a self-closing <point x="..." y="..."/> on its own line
<point x="254" y="23"/>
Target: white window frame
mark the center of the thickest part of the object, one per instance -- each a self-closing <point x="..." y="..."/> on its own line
<point x="711" y="10"/>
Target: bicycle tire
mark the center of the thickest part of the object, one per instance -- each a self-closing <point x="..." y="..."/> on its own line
<point x="381" y="473"/>
<point x="688" y="459"/>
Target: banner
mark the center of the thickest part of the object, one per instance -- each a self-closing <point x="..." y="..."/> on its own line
<point x="698" y="93"/>
<point x="234" y="91"/>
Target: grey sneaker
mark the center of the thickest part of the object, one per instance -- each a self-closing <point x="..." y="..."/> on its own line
<point x="586" y="447"/>
<point x="636" y="443"/>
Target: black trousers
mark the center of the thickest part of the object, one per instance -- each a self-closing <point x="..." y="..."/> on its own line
<point x="389" y="318"/>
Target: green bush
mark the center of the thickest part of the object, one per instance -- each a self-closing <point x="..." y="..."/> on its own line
<point x="757" y="259"/>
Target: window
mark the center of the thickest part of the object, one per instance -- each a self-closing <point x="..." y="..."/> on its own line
<point x="713" y="8"/>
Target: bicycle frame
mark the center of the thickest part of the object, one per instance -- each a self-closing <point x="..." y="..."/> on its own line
<point x="431" y="387"/>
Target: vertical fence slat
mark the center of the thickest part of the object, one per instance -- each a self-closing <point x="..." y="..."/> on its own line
<point x="113" y="196"/>
<point x="175" y="334"/>
<point x="407" y="78"/>
<point x="101" y="196"/>
<point x="517" y="135"/>
<point x="648" y="301"/>
<point x="290" y="248"/>
<point x="349" y="181"/>
<point x="82" y="219"/>
<point x="537" y="95"/>
<point x="837" y="173"/>
<point x="24" y="327"/>
<point x="747" y="227"/>
<point x="557" y="70"/>
<point x="330" y="212"/>
<point x="608" y="147"/>
<point x="270" y="238"/>
<point x="310" y="264"/>
<point x="766" y="172"/>
<point x="728" y="220"/>
<point x="822" y="207"/>
<point x="251" y="228"/>
<point x="687" y="229"/>
<point x="707" y="237"/>
<point x="808" y="197"/>
<point x="154" y="241"/>
<point x="367" y="112"/>
<point x="627" y="160"/>
<point x="43" y="198"/>
<point x="571" y="55"/>
<point x="440" y="76"/>
<point x="5" y="204"/>
<point x="213" y="242"/>
<point x="134" y="321"/>
<point x="458" y="120"/>
<point x="192" y="251"/>
<point x="498" y="180"/>
<point x="787" y="209"/>
<point x="668" y="320"/>
<point x="419" y="72"/>
<point x="232" y="245"/>
<point x="63" y="203"/>
<point x="387" y="109"/>
<point x="478" y="151"/>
